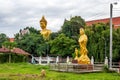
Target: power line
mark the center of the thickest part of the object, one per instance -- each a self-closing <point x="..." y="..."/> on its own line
<point x="101" y="12"/>
<point x="116" y="10"/>
<point x="94" y="16"/>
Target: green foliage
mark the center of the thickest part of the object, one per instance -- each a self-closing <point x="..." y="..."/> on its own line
<point x="21" y="34"/>
<point x="9" y="45"/>
<point x="98" y="41"/>
<point x="62" y="45"/>
<point x="43" y="49"/>
<point x="25" y="71"/>
<point x="30" y="43"/>
<point x="3" y="38"/>
<point x="71" y="28"/>
<point x="21" y="68"/>
<point x="116" y="45"/>
<point x="106" y="69"/>
<point x="54" y="35"/>
<point x="32" y="30"/>
<point x="4" y="57"/>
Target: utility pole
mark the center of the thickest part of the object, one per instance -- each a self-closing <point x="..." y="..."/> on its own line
<point x="111" y="7"/>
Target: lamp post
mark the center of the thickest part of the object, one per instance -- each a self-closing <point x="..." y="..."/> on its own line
<point x="111" y="9"/>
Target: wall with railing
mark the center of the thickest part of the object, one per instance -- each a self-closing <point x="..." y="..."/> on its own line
<point x="59" y="63"/>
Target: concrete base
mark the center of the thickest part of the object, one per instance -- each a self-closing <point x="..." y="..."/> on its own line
<point x="74" y="61"/>
<point x="77" y="68"/>
<point x="84" y="67"/>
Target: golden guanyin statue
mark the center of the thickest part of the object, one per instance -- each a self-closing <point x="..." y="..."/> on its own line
<point x="76" y="54"/>
<point x="45" y="32"/>
<point x="83" y="59"/>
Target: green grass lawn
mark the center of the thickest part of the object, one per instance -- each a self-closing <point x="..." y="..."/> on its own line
<point x="26" y="71"/>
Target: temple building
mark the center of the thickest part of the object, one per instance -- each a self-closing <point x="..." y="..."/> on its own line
<point x="115" y="21"/>
<point x="25" y="31"/>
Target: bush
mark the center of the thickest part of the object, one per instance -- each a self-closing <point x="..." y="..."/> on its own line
<point x="14" y="58"/>
<point x="106" y="69"/>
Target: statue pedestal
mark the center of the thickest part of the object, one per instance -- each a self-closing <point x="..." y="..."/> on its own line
<point x="77" y="66"/>
<point x="83" y="67"/>
<point x="74" y="61"/>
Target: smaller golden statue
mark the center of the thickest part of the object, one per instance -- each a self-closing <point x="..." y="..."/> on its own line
<point x="45" y="32"/>
<point x="84" y="59"/>
<point x="76" y="54"/>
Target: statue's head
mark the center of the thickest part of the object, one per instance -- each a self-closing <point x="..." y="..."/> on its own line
<point x="75" y="49"/>
<point x="43" y="23"/>
<point x="82" y="31"/>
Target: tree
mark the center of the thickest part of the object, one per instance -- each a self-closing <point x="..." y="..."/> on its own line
<point x="62" y="46"/>
<point x="98" y="41"/>
<point x="10" y="46"/>
<point x="3" y="38"/>
<point x="116" y="45"/>
<point x="32" y="30"/>
<point x="31" y="42"/>
<point x="54" y="35"/>
<point x="71" y="28"/>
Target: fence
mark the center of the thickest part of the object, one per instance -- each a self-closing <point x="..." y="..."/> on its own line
<point x="116" y="66"/>
<point x="60" y="63"/>
<point x="47" y="60"/>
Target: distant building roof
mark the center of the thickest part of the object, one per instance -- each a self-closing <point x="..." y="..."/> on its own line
<point x="115" y="20"/>
<point x="25" y="31"/>
<point x="11" y="39"/>
<point x="19" y="51"/>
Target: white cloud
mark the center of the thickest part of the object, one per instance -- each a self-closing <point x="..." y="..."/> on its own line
<point x="6" y="6"/>
<point x="15" y="15"/>
<point x="10" y="20"/>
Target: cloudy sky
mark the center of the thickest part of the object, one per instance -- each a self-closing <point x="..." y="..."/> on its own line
<point x="18" y="14"/>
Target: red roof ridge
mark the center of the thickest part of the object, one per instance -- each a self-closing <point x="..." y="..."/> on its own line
<point x="102" y="19"/>
<point x="115" y="21"/>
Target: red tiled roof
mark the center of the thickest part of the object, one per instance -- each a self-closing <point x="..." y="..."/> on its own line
<point x="15" y="50"/>
<point x="4" y="50"/>
<point x="115" y="20"/>
<point x="11" y="39"/>
<point x="19" y="51"/>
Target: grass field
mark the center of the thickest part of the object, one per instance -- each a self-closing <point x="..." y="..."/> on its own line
<point x="26" y="71"/>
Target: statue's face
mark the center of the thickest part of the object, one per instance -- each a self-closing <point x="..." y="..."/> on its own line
<point x="42" y="24"/>
<point x="81" y="31"/>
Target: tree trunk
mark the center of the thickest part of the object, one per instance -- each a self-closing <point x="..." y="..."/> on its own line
<point x="10" y="58"/>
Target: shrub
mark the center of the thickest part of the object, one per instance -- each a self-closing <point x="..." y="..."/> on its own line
<point x="14" y="58"/>
<point x="106" y="69"/>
